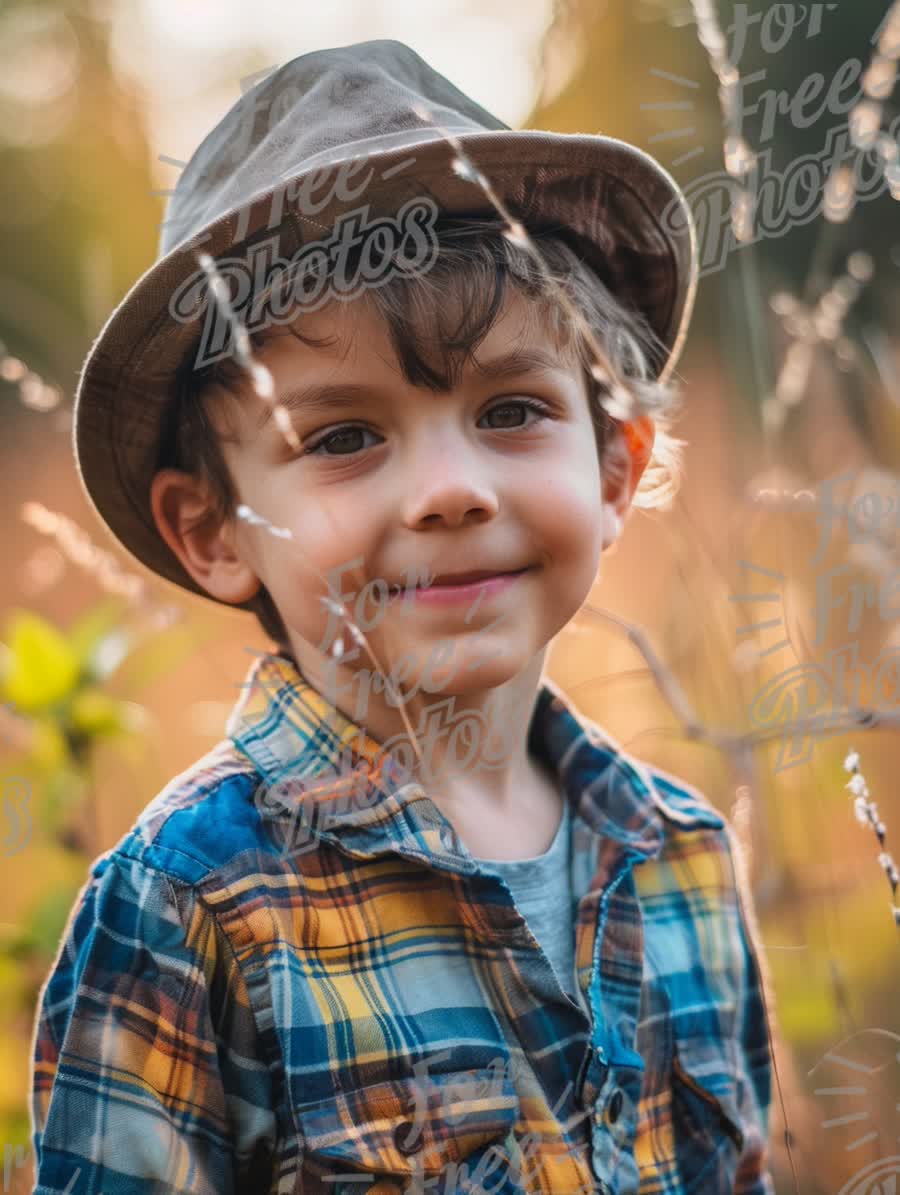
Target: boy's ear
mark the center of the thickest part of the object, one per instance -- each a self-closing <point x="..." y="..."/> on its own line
<point x="205" y="548"/>
<point x="625" y="458"/>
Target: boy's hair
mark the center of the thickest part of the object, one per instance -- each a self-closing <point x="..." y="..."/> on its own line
<point x="475" y="264"/>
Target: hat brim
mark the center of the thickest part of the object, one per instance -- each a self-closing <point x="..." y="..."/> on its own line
<point x="630" y="219"/>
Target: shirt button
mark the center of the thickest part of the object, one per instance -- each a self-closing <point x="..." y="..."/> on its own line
<point x="402" y="1138"/>
<point x="615" y="1106"/>
<point x="448" y="839"/>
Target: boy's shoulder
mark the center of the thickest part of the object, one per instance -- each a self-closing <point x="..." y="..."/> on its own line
<point x="200" y="820"/>
<point x="217" y="811"/>
<point x="678" y="802"/>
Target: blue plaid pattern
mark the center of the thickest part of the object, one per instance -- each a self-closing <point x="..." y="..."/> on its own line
<point x="258" y="993"/>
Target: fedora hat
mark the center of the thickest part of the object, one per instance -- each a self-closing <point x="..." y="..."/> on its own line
<point x="329" y="134"/>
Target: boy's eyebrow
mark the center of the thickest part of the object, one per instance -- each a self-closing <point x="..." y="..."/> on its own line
<point x="331" y="395"/>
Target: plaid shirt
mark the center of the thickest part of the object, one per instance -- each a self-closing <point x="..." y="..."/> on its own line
<point x="258" y="993"/>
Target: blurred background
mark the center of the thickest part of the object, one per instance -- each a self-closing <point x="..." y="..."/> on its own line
<point x="112" y="682"/>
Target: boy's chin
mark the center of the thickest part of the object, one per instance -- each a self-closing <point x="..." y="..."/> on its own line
<point x="470" y="670"/>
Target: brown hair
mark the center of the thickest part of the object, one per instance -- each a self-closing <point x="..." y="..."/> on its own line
<point x="475" y="264"/>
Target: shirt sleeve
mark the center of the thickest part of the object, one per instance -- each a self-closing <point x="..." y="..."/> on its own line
<point x="147" y="1069"/>
<point x="753" y="1176"/>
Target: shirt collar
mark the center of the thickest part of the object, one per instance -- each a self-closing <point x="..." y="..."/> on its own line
<point x="302" y="745"/>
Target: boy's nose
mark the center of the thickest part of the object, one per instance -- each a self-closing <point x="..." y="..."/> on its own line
<point x="446" y="484"/>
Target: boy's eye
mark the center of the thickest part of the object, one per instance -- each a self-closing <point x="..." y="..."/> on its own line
<point x="526" y="404"/>
<point x="345" y="441"/>
<point x="345" y="438"/>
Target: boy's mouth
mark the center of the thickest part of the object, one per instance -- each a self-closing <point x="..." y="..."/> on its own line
<point x="460" y="580"/>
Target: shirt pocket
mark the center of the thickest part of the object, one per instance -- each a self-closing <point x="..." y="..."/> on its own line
<point x="416" y="1127"/>
<point x="706" y="1093"/>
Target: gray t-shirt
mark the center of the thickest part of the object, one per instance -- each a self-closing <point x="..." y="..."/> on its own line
<point x="542" y="889"/>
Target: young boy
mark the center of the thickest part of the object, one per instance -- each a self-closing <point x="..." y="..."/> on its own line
<point x="415" y="924"/>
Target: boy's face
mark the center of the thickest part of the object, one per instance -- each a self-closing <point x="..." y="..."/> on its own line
<point x="396" y="482"/>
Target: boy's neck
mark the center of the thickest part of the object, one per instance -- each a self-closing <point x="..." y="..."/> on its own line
<point x="521" y="829"/>
<point x="509" y="782"/>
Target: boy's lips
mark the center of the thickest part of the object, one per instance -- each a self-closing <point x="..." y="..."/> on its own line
<point x="459" y="578"/>
<point x="467" y="578"/>
<point x="462" y="585"/>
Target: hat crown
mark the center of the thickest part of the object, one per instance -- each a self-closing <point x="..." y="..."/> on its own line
<point x="316" y="110"/>
<point x="335" y="140"/>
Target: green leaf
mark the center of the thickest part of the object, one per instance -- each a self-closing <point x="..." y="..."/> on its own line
<point x="95" y="713"/>
<point x="162" y="652"/>
<point x="48" y="752"/>
<point x="41" y="669"/>
<point x="61" y="793"/>
<point x="87" y="635"/>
